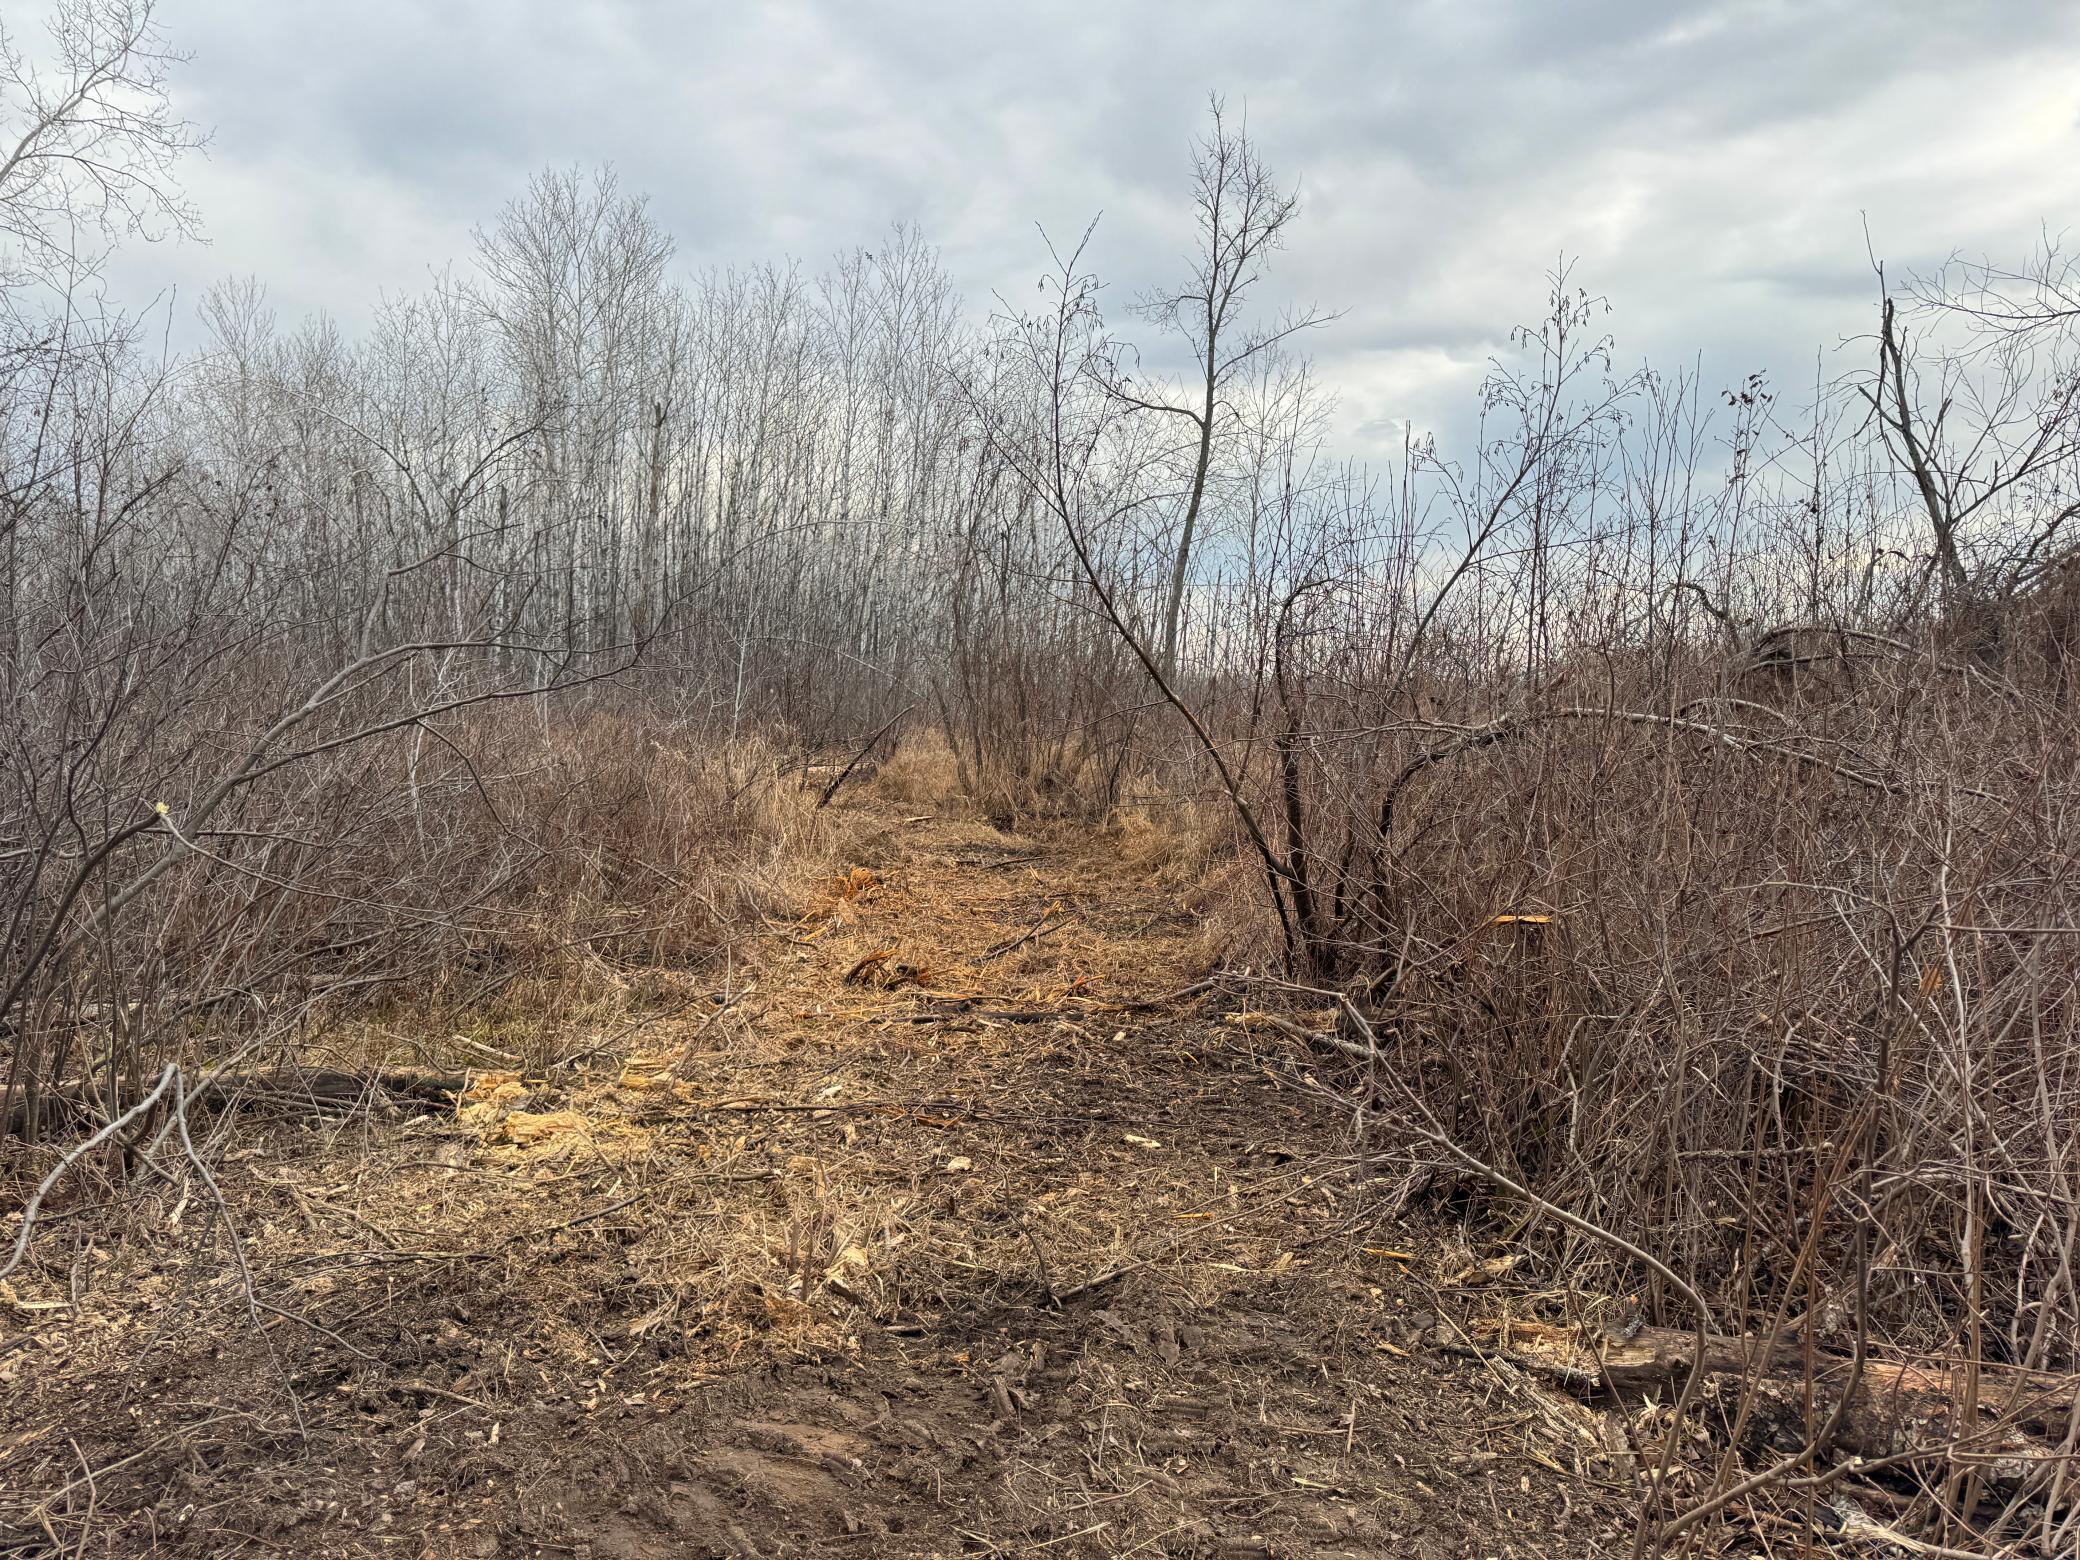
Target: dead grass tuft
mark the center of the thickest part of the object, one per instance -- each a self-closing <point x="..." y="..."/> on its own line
<point x="921" y="772"/>
<point x="1180" y="841"/>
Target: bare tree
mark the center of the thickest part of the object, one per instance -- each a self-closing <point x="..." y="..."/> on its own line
<point x="1241" y="213"/>
<point x="1988" y="433"/>
<point x="88" y="137"/>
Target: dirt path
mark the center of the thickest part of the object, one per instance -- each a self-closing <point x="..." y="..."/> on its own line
<point x="966" y="1254"/>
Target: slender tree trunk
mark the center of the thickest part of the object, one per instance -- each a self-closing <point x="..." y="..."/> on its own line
<point x="1180" y="566"/>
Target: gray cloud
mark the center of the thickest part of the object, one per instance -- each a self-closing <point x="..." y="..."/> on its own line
<point x="1710" y="167"/>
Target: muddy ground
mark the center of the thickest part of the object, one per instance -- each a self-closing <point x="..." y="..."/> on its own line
<point x="896" y="1236"/>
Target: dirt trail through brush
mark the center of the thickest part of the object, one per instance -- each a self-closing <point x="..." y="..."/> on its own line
<point x="940" y="1227"/>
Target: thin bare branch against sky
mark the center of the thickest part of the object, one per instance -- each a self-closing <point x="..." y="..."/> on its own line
<point x="1712" y="167"/>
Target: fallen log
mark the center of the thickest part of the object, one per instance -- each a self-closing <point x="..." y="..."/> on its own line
<point x="1900" y="1410"/>
<point x="321" y="1090"/>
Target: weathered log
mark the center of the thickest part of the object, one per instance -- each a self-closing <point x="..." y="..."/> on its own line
<point x="1898" y="1409"/>
<point x="317" y="1090"/>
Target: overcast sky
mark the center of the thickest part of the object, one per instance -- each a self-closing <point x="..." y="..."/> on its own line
<point x="1709" y="167"/>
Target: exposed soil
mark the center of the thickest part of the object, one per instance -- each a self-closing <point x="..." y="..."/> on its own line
<point x="804" y="1266"/>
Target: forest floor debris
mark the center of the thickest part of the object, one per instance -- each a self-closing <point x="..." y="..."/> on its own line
<point x="1019" y="1254"/>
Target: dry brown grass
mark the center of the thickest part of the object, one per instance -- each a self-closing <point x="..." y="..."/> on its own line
<point x="499" y="869"/>
<point x="1180" y="841"/>
<point x="921" y="772"/>
<point x="662" y="860"/>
